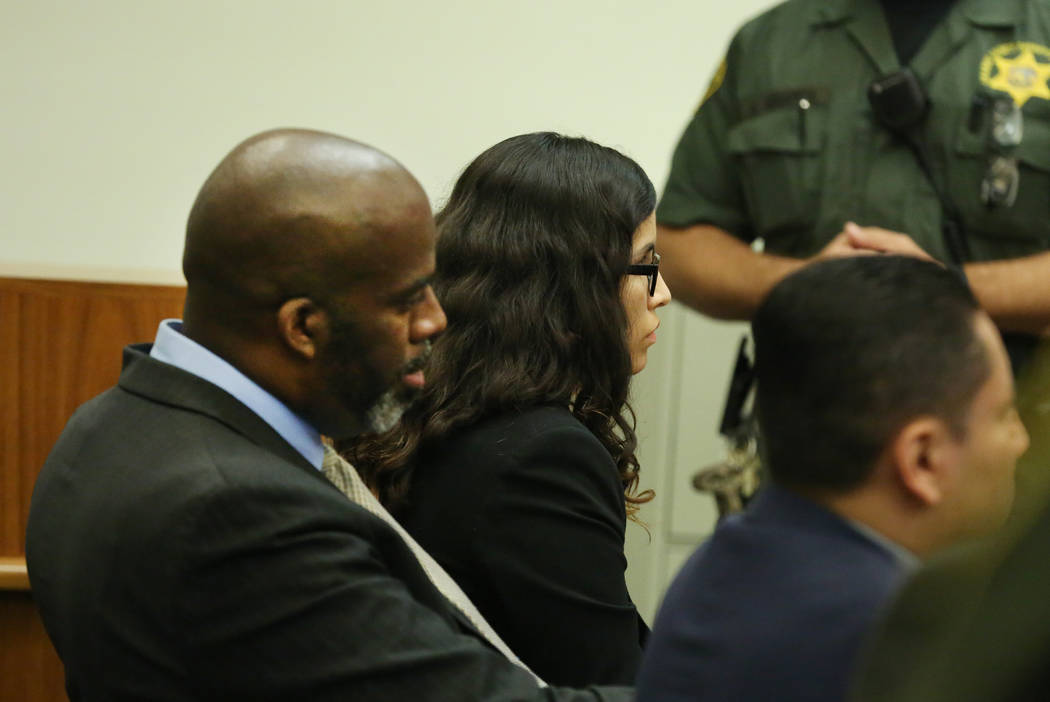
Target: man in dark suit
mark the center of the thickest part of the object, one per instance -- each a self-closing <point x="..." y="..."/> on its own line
<point x="974" y="625"/>
<point x="182" y="542"/>
<point x="886" y="403"/>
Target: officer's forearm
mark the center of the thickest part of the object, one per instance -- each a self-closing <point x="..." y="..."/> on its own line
<point x="1015" y="292"/>
<point x="715" y="273"/>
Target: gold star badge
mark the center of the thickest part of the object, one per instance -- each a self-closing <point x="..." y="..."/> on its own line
<point x="1020" y="69"/>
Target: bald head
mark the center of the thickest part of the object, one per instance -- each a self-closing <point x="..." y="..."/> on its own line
<point x="307" y="259"/>
<point x="289" y="213"/>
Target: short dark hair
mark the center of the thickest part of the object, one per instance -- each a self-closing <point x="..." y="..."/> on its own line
<point x="848" y="351"/>
<point x="532" y="247"/>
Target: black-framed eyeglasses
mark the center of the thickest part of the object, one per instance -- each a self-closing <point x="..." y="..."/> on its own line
<point x="649" y="270"/>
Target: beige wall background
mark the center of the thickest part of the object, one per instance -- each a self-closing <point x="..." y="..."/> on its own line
<point x="114" y="111"/>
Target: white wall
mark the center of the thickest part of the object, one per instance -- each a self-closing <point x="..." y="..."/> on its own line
<point x="114" y="111"/>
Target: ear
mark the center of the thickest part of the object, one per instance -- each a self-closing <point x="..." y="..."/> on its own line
<point x="923" y="454"/>
<point x="303" y="326"/>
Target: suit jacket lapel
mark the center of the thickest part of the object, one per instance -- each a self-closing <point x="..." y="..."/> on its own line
<point x="160" y="382"/>
<point x="166" y="384"/>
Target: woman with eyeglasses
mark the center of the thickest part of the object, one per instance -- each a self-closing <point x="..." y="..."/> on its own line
<point x="516" y="468"/>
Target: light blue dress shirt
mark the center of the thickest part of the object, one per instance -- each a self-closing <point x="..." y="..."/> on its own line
<point x="176" y="349"/>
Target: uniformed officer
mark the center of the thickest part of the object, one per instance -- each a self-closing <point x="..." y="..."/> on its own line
<point x="835" y="127"/>
<point x="787" y="148"/>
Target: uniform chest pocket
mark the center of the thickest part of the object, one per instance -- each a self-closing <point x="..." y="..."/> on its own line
<point x="999" y="231"/>
<point x="779" y="156"/>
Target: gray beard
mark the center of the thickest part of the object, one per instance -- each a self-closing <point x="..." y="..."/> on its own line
<point x="385" y="412"/>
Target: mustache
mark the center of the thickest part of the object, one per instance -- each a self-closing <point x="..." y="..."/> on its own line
<point x="419" y="361"/>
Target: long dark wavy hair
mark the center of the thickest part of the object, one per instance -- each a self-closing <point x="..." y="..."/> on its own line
<point x="531" y="251"/>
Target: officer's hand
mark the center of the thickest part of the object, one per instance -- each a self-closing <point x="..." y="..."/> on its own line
<point x="879" y="240"/>
<point x="841" y="246"/>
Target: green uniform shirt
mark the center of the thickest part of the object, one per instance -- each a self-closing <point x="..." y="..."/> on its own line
<point x="786" y="147"/>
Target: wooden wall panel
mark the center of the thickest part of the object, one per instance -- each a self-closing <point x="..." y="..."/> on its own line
<point x="60" y="345"/>
<point x="11" y="520"/>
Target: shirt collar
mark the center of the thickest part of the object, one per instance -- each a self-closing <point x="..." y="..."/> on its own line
<point x="833" y="11"/>
<point x="985" y="13"/>
<point x="176" y="349"/>
<point x="908" y="561"/>
<point x="993" y="13"/>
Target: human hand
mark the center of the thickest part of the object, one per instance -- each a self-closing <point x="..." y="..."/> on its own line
<point x="842" y="246"/>
<point x="879" y="240"/>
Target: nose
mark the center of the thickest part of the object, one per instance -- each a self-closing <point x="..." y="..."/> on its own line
<point x="1023" y="440"/>
<point x="429" y="320"/>
<point x="662" y="295"/>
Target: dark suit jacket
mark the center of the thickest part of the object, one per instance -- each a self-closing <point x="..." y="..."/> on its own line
<point x="774" y="606"/>
<point x="179" y="549"/>
<point x="526" y="511"/>
<point x="974" y="624"/>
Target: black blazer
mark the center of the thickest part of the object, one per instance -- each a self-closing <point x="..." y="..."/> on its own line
<point x="526" y="512"/>
<point x="180" y="549"/>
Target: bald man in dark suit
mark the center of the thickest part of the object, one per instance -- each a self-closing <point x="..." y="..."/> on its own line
<point x="182" y="542"/>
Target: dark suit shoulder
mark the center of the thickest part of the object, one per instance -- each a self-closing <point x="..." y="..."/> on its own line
<point x="516" y="430"/>
<point x="537" y="442"/>
<point x="825" y="572"/>
<point x="788" y="589"/>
